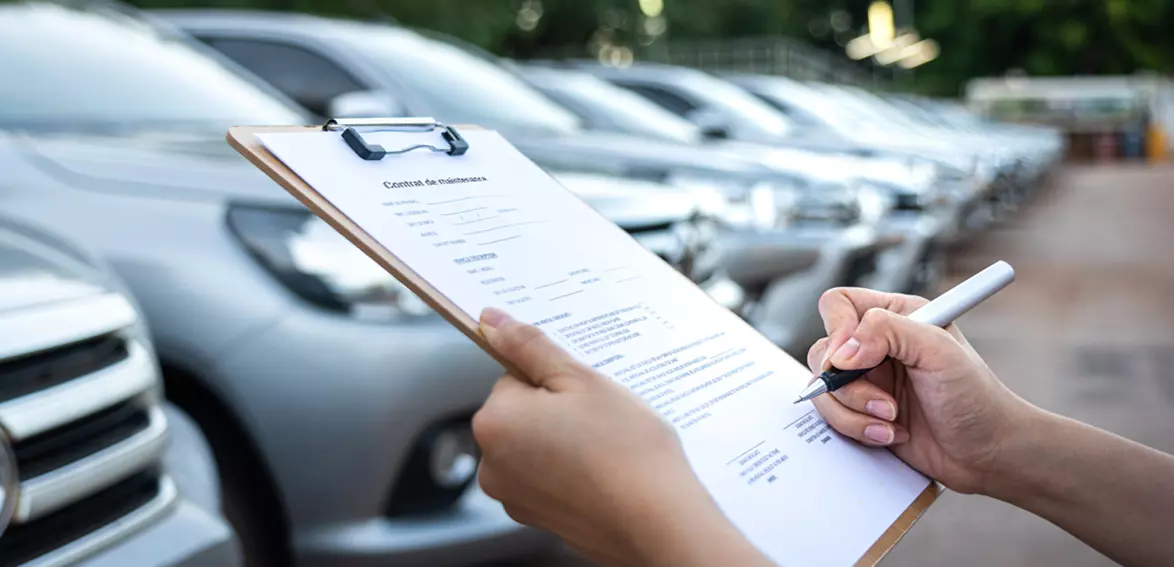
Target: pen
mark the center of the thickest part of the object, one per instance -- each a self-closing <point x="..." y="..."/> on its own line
<point x="940" y="312"/>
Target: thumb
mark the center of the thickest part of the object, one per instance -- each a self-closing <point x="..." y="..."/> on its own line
<point x="527" y="348"/>
<point x="883" y="333"/>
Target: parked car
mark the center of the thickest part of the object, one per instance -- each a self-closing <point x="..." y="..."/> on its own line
<point x="774" y="212"/>
<point x="336" y="402"/>
<point x="96" y="469"/>
<point x="998" y="169"/>
<point x="913" y="212"/>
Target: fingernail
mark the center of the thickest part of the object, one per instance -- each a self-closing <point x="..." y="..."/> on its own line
<point x="846" y="351"/>
<point x="881" y="409"/>
<point x="901" y="436"/>
<point x="880" y="434"/>
<point x="494" y="318"/>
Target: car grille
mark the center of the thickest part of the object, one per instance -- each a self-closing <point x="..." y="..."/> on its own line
<point x="79" y="403"/>
<point x="27" y="542"/>
<point x="38" y="371"/>
<point x="909" y="202"/>
<point x="58" y="447"/>
<point x="679" y="244"/>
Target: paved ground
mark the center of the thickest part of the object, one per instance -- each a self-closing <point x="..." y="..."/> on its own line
<point x="1087" y="330"/>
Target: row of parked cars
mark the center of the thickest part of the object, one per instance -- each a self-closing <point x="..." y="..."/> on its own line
<point x="316" y="408"/>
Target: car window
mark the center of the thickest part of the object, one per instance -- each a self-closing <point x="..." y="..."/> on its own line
<point x="74" y="69"/>
<point x="599" y="101"/>
<point x="796" y="115"/>
<point x="671" y="101"/>
<point x="736" y="104"/>
<point x="457" y="86"/>
<point x="306" y="77"/>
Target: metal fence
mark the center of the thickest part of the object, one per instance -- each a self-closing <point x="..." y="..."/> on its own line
<point x="761" y="55"/>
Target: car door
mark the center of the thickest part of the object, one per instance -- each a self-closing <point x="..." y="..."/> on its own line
<point x="309" y="78"/>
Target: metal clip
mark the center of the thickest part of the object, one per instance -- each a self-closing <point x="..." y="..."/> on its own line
<point x="374" y="152"/>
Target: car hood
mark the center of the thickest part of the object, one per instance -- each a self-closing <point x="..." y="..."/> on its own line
<point x="36" y="269"/>
<point x="626" y="202"/>
<point x="204" y="167"/>
<point x="631" y="156"/>
<point x="179" y="167"/>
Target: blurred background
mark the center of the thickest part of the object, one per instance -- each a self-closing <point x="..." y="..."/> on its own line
<point x="196" y="371"/>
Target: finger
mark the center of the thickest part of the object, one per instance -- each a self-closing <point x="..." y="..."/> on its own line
<point x="529" y="349"/>
<point x="864" y="429"/>
<point x="490" y="482"/>
<point x="507" y="383"/>
<point x="816" y="355"/>
<point x="506" y="409"/>
<point x="841" y="309"/>
<point x="864" y="396"/>
<point x="883" y="333"/>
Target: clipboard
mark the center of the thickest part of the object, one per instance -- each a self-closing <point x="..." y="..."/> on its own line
<point x="244" y="140"/>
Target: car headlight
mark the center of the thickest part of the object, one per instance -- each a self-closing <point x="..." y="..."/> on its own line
<point x="761" y="205"/>
<point x="322" y="267"/>
<point x="875" y="203"/>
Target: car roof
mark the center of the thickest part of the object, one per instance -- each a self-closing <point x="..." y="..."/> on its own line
<point x="554" y="76"/>
<point x="261" y="20"/>
<point x="644" y="69"/>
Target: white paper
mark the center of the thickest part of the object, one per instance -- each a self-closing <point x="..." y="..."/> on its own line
<point x="490" y="228"/>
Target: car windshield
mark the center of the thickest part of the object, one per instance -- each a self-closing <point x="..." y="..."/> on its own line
<point x="742" y="104"/>
<point x="809" y="102"/>
<point x="460" y="87"/>
<point x="619" y="107"/>
<point x="72" y="69"/>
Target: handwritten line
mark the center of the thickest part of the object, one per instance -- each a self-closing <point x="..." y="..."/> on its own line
<point x="721" y="354"/>
<point x="552" y="284"/>
<point x="735" y="459"/>
<point x="478" y="220"/>
<point x="463" y="212"/>
<point x="798" y="420"/>
<point x="567" y="295"/>
<point x="500" y="240"/>
<point x="501" y="227"/>
<point x="464" y="199"/>
<point x="629" y="279"/>
<point x="616" y="268"/>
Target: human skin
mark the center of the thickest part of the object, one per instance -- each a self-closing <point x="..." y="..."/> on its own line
<point x="570" y="451"/>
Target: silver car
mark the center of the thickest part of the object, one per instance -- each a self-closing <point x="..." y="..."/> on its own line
<point x="336" y="402"/>
<point x="915" y="214"/>
<point x="96" y="470"/>
<point x="791" y="239"/>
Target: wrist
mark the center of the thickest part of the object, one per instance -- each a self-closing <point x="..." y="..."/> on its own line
<point x="1021" y="468"/>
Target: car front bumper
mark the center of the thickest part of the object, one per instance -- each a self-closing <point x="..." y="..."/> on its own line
<point x="912" y="266"/>
<point x="788" y="312"/>
<point x="187" y="531"/>
<point x="338" y="405"/>
<point x="476" y="530"/>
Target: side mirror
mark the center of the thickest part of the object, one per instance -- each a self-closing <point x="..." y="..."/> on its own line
<point x="712" y="124"/>
<point x="364" y="104"/>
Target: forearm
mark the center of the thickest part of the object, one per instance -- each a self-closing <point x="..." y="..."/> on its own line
<point x="1111" y="493"/>
<point x="692" y="531"/>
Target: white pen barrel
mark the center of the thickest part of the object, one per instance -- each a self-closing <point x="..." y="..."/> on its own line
<point x="962" y="298"/>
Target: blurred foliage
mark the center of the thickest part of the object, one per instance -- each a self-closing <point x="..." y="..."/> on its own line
<point x="978" y="37"/>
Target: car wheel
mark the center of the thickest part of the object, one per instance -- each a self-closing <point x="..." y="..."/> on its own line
<point x="247" y="498"/>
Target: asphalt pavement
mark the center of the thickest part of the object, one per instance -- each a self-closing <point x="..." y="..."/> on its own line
<point x="1087" y="331"/>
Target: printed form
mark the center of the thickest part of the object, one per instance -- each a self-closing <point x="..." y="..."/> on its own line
<point x="491" y="228"/>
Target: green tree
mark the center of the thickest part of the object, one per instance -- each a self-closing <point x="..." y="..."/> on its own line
<point x="978" y="37"/>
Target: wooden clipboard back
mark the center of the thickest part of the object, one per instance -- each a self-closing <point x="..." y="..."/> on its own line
<point x="244" y="140"/>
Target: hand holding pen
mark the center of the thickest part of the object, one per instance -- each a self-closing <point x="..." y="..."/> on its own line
<point x="939" y="312"/>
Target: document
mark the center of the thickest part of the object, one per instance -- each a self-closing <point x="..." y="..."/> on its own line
<point x="490" y="228"/>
